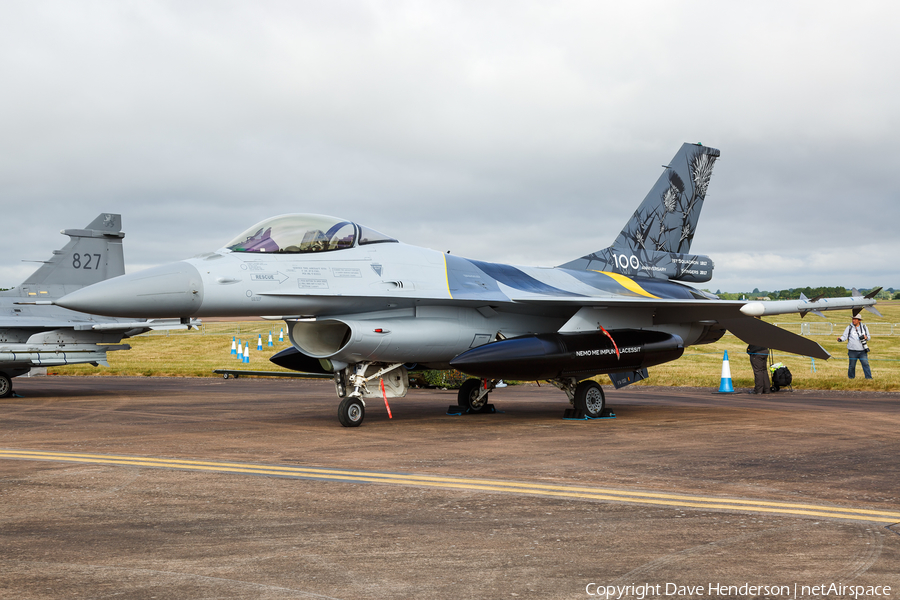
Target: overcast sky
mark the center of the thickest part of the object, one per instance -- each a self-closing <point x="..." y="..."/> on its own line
<point x="510" y="131"/>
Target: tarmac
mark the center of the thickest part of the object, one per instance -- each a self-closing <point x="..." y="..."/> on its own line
<point x="211" y="488"/>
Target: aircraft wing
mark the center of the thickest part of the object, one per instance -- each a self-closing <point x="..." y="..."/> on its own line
<point x="723" y="313"/>
<point x="679" y="310"/>
<point x="760" y="333"/>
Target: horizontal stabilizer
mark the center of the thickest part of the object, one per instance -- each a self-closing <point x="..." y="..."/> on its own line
<point x="760" y="333"/>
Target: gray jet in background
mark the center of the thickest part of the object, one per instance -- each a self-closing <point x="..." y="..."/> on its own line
<point x="35" y="333"/>
<point x="368" y="308"/>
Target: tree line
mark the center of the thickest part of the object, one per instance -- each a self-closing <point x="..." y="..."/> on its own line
<point x="809" y="292"/>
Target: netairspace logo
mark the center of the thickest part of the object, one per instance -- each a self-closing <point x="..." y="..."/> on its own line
<point x="715" y="590"/>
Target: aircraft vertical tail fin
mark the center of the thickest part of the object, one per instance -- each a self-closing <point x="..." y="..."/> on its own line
<point x="92" y="254"/>
<point x="656" y="241"/>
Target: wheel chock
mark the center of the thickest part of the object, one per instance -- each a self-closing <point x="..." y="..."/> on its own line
<point x="573" y="414"/>
<point x="454" y="410"/>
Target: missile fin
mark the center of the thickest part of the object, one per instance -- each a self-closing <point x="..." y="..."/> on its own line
<point x="873" y="310"/>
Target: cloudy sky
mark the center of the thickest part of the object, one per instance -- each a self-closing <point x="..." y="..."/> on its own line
<point x="511" y="131"/>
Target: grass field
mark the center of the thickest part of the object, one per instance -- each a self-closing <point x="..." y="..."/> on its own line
<point x="196" y="354"/>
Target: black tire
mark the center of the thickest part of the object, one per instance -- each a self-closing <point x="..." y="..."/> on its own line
<point x="468" y="392"/>
<point x="5" y="386"/>
<point x="351" y="412"/>
<point x="589" y="399"/>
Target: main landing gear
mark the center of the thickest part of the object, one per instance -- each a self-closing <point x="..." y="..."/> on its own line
<point x="473" y="395"/>
<point x="589" y="399"/>
<point x="587" y="396"/>
<point x="6" y="389"/>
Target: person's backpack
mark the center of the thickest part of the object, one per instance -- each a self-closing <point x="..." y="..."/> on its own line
<point x="781" y="377"/>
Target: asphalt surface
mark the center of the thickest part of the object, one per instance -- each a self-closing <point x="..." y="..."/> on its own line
<point x="249" y="488"/>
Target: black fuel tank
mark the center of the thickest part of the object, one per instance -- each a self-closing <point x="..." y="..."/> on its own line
<point x="580" y="355"/>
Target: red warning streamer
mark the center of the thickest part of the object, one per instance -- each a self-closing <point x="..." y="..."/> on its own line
<point x="610" y="339"/>
<point x="386" y="405"/>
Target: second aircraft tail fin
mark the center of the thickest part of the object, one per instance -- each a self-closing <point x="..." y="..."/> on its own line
<point x="93" y="254"/>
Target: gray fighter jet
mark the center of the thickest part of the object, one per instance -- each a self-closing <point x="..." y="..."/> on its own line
<point x="367" y="308"/>
<point x="35" y="333"/>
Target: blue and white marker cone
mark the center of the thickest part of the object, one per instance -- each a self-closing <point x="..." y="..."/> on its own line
<point x="233" y="346"/>
<point x="240" y="352"/>
<point x="270" y="339"/>
<point x="726" y="387"/>
<point x="247" y="353"/>
<point x="259" y="343"/>
<point x="281" y="335"/>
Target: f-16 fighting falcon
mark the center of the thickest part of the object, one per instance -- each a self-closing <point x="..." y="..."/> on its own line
<point x="367" y="308"/>
<point x="34" y="333"/>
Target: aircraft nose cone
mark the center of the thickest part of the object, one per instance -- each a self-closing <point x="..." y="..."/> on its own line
<point x="174" y="290"/>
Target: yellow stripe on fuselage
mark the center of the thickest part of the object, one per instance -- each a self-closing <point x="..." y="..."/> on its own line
<point x="447" y="276"/>
<point x="628" y="284"/>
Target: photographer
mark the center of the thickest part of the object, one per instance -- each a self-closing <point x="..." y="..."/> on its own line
<point x="857" y="336"/>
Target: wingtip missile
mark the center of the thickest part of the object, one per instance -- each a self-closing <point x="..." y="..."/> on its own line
<point x="816" y="306"/>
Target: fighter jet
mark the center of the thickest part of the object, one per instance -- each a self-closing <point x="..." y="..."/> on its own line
<point x="34" y="333"/>
<point x="368" y="308"/>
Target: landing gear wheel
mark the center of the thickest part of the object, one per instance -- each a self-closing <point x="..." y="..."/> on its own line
<point x="5" y="386"/>
<point x="351" y="412"/>
<point x="468" y="396"/>
<point x="589" y="399"/>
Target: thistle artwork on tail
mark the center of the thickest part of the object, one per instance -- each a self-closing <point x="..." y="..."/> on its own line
<point x="657" y="239"/>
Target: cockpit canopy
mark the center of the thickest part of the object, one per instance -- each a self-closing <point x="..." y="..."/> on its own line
<point x="300" y="234"/>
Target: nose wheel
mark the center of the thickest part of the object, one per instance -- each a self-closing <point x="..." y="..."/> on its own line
<point x="351" y="412"/>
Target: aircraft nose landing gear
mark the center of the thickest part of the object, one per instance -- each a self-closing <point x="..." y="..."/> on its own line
<point x="351" y="412"/>
<point x="391" y="381"/>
